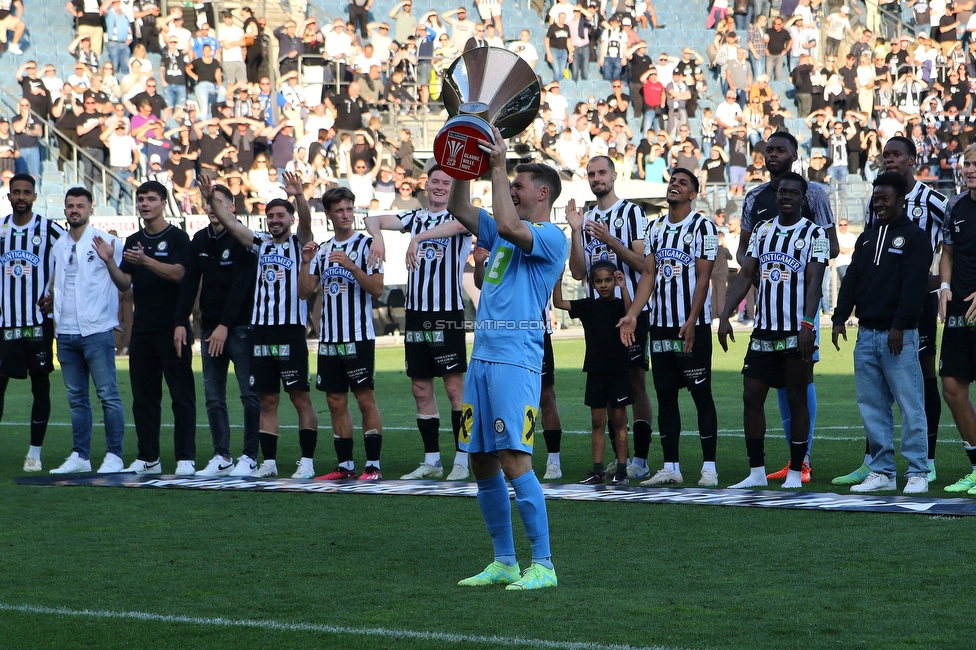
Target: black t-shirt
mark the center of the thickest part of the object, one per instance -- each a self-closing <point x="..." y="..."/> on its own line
<point x="92" y="17"/>
<point x="801" y="78"/>
<point x="639" y="64"/>
<point x="155" y="299"/>
<point x="901" y="63"/>
<point x="206" y="71"/>
<point x="182" y="172"/>
<point x="960" y="231"/>
<point x="849" y="75"/>
<point x="614" y="111"/>
<point x="92" y="139"/>
<point x="687" y="68"/>
<point x="955" y="94"/>
<point x="210" y="148"/>
<point x="156" y="101"/>
<point x="174" y="67"/>
<point x="100" y="97"/>
<point x="951" y="158"/>
<point x="349" y="112"/>
<point x="549" y="141"/>
<point x="738" y="151"/>
<point x="777" y="41"/>
<point x="605" y="354"/>
<point x="558" y="37"/>
<point x="714" y="170"/>
<point x="945" y="37"/>
<point x="41" y="103"/>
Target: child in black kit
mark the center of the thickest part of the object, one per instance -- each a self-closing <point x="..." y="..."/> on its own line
<point x="606" y="365"/>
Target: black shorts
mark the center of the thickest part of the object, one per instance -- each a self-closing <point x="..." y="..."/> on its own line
<point x="928" y="329"/>
<point x="767" y="355"/>
<point x="280" y="355"/>
<point x="346" y="367"/>
<point x="434" y="344"/>
<point x="958" y="359"/>
<point x="608" y="389"/>
<point x="636" y="351"/>
<point x="674" y="369"/>
<point x="548" y="362"/>
<point x="27" y="351"/>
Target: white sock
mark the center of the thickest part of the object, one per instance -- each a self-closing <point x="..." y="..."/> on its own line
<point x="34" y="452"/>
<point x="374" y="463"/>
<point x="794" y="479"/>
<point x="673" y="467"/>
<point x="709" y="465"/>
<point x="756" y="478"/>
<point x="350" y="465"/>
<point x="806" y="459"/>
<point x="553" y="458"/>
<point x="461" y="458"/>
<point x="640" y="462"/>
<point x="433" y="459"/>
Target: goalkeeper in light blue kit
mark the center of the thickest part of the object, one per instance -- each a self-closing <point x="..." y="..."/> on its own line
<point x="501" y="390"/>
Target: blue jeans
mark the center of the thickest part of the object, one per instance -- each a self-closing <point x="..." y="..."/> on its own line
<point x="118" y="54"/>
<point x="838" y="172"/>
<point x="881" y="379"/>
<point x="237" y="348"/>
<point x="581" y="61"/>
<point x="29" y="162"/>
<point x="560" y="58"/>
<point x="206" y="94"/>
<point x="758" y="66"/>
<point x="94" y="356"/>
<point x="175" y="95"/>
<point x="120" y="190"/>
<point x="612" y="68"/>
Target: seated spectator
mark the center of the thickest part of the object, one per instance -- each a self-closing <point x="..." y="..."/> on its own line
<point x="88" y="23"/>
<point x="81" y="48"/>
<point x="11" y="15"/>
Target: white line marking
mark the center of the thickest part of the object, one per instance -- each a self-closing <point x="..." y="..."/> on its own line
<point x="322" y="629"/>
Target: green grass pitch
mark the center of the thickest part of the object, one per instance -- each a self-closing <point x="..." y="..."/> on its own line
<point x="103" y="568"/>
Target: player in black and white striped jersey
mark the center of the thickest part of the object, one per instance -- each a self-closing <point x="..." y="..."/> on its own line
<point x="760" y="206"/>
<point x="26" y="332"/>
<point x="680" y="248"/>
<point x="613" y="230"/>
<point x="927" y="209"/>
<point x="790" y="254"/>
<point x="280" y="353"/>
<point x="340" y="268"/>
<point x="435" y="344"/>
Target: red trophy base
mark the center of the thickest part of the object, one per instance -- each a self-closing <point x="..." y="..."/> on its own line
<point x="456" y="147"/>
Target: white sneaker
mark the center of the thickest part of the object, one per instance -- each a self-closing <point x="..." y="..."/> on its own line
<point x="245" y="466"/>
<point x="111" y="465"/>
<point x="633" y="471"/>
<point x="876" y="483"/>
<point x="217" y="467"/>
<point x="916" y="484"/>
<point x="424" y="471"/>
<point x="145" y="467"/>
<point x="268" y="469"/>
<point x="14" y="48"/>
<point x="73" y="464"/>
<point x="305" y="470"/>
<point x="459" y="473"/>
<point x="553" y="471"/>
<point x="32" y="464"/>
<point x="664" y="477"/>
<point x="708" y="478"/>
<point x="186" y="468"/>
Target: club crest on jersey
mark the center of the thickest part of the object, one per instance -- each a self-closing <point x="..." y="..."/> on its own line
<point x="799" y="244"/>
<point x="917" y="211"/>
<point x="619" y="223"/>
<point x="898" y="242"/>
<point x="225" y="255"/>
<point x="776" y="274"/>
<point x="353" y="256"/>
<point x="36" y="240"/>
<point x="688" y="238"/>
<point x="669" y="270"/>
<point x="336" y="287"/>
<point x="162" y="246"/>
<point x="431" y="253"/>
<point x="18" y="270"/>
<point x="271" y="274"/>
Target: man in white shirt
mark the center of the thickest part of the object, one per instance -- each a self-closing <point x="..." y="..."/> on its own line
<point x="379" y="37"/>
<point x="123" y="158"/>
<point x="461" y="28"/>
<point x="338" y="44"/>
<point x="558" y="104"/>
<point x="86" y="307"/>
<point x="728" y="114"/>
<point x="524" y="48"/>
<point x="231" y="38"/>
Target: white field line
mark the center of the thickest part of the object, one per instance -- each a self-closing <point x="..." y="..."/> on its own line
<point x="278" y="626"/>
<point x="819" y="436"/>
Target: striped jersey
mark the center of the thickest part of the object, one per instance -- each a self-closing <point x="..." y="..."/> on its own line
<point x="784" y="253"/>
<point x="436" y="283"/>
<point x="25" y="254"/>
<point x="625" y="221"/>
<point x="760" y="205"/>
<point x="925" y="207"/>
<point x="676" y="248"/>
<point x="347" y="309"/>
<point x="276" y="300"/>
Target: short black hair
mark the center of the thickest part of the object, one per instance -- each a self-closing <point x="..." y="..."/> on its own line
<point x="786" y="135"/>
<point x="222" y="189"/>
<point x="793" y="176"/>
<point x="27" y="178"/>
<point x="909" y="145"/>
<point x="690" y="174"/>
<point x="153" y="187"/>
<point x="275" y="203"/>
<point x="336" y="194"/>
<point x="602" y="264"/>
<point x="543" y="175"/>
<point x="79" y="191"/>
<point x="893" y="180"/>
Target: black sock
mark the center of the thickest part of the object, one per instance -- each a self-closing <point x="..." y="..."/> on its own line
<point x="972" y="455"/>
<point x="798" y="451"/>
<point x="429" y="431"/>
<point x="373" y="443"/>
<point x="669" y="423"/>
<point x="456" y="428"/>
<point x="41" y="409"/>
<point x="552" y="437"/>
<point x="307" y="438"/>
<point x="756" y="450"/>
<point x="707" y="423"/>
<point x="343" y="449"/>
<point x="269" y="445"/>
<point x="933" y="412"/>
<point x="598" y="469"/>
<point x="642" y="439"/>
